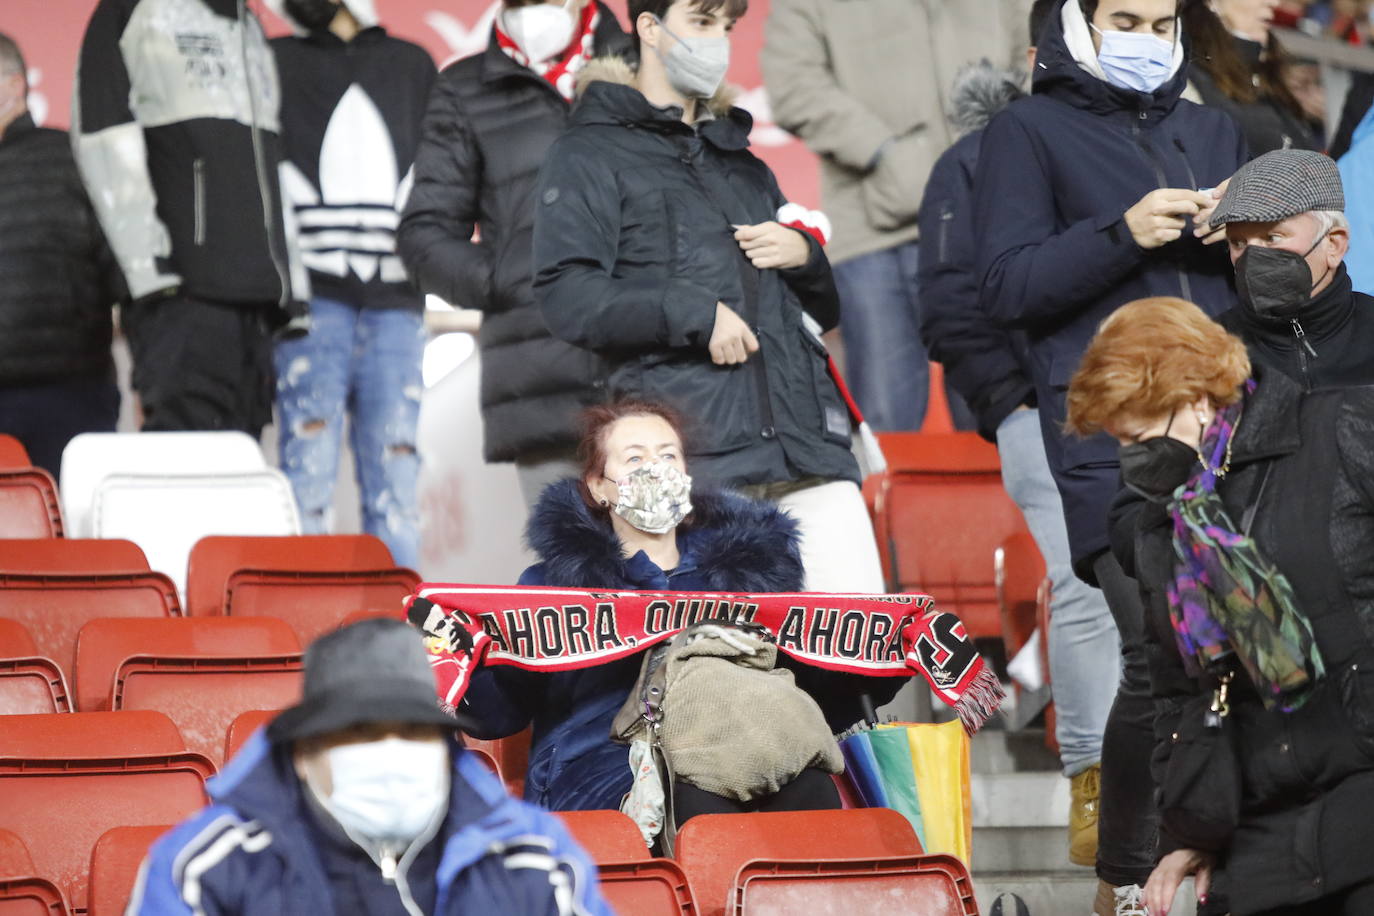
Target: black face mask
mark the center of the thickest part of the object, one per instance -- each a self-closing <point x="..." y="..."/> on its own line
<point x="311" y="14"/>
<point x="1273" y="282"/>
<point x="1157" y="467"/>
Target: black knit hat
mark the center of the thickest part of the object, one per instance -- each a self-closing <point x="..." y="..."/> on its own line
<point x="1278" y="185"/>
<point x="373" y="671"/>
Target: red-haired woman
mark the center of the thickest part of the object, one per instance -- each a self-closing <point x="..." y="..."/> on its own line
<point x="1254" y="548"/>
<point x="633" y="521"/>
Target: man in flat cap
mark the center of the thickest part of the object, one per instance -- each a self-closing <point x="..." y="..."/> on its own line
<point x="360" y="800"/>
<point x="1288" y="235"/>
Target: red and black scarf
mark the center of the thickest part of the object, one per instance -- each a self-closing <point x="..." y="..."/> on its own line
<point x="561" y="72"/>
<point x="553" y="629"/>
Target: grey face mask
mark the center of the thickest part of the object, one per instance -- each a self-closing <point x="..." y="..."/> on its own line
<point x="695" y="66"/>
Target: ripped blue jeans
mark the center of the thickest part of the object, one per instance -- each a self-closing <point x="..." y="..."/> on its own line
<point x="364" y="363"/>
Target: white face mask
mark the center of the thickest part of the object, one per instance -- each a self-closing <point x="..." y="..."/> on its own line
<point x="654" y="498"/>
<point x="542" y="31"/>
<point x="388" y="791"/>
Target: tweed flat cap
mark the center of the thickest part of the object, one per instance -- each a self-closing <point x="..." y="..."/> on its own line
<point x="1278" y="185"/>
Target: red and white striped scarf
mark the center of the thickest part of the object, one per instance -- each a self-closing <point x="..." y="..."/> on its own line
<point x="555" y="629"/>
<point x="561" y="72"/>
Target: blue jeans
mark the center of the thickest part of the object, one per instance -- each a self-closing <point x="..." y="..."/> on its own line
<point x="1085" y="650"/>
<point x="366" y="363"/>
<point x="886" y="364"/>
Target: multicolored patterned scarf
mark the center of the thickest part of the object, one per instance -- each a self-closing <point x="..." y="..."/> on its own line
<point x="1227" y="598"/>
<point x="555" y="629"/>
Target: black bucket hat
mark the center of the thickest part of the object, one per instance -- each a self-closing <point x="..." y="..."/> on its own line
<point x="376" y="670"/>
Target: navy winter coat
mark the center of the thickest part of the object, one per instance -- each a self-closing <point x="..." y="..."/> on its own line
<point x="1057" y="172"/>
<point x="733" y="544"/>
<point x="255" y="849"/>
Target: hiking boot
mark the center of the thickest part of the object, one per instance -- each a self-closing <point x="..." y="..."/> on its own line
<point x="1085" y="789"/>
<point x="1119" y="901"/>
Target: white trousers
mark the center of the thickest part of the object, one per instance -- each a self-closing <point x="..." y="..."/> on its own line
<point x="839" y="552"/>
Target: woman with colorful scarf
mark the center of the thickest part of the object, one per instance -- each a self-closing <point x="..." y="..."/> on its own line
<point x="1249" y="524"/>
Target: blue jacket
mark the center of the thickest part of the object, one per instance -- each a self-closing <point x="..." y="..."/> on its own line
<point x="982" y="361"/>
<point x="254" y="850"/>
<point x="733" y="544"/>
<point x="1057" y="172"/>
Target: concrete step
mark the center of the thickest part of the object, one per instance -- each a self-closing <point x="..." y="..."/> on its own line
<point x="1055" y="893"/>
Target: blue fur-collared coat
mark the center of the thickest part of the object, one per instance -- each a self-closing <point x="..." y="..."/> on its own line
<point x="732" y="544"/>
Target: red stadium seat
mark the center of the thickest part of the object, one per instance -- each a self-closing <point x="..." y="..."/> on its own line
<point x="316" y="602"/>
<point x="22" y="893"/>
<point x="55" y="606"/>
<point x="652" y="887"/>
<point x="114" y="867"/>
<point x="28" y="504"/>
<point x="934" y="885"/>
<point x="103" y="645"/>
<point x="941" y="512"/>
<point x="713" y="847"/>
<point x="607" y="836"/>
<point x="242" y="728"/>
<point x="214" y="559"/>
<point x="511" y="754"/>
<point x="29" y="683"/>
<point x="72" y="555"/>
<point x="13" y="455"/>
<point x="66" y="779"/>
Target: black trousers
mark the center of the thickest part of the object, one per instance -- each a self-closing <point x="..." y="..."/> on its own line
<point x="1356" y="901"/>
<point x="1128" y="822"/>
<point x="201" y="365"/>
<point x="47" y="415"/>
<point x="812" y="790"/>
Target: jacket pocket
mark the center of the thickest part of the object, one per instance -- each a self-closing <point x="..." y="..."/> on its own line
<point x="721" y="400"/>
<point x="834" y="420"/>
<point x="198" y="200"/>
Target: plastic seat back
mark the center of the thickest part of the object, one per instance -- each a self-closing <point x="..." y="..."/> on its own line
<point x="72" y="555"/>
<point x="314" y="603"/>
<point x="214" y="559"/>
<point x="242" y="728"/>
<point x="13" y="455"/>
<point x="28" y="504"/>
<point x="32" y="685"/>
<point x="114" y="867"/>
<point x="95" y="771"/>
<point x="90" y="457"/>
<point x="167" y="514"/>
<point x="54" y="607"/>
<point x="946" y="513"/>
<point x="932" y="885"/>
<point x="607" y="836"/>
<point x="652" y="887"/>
<point x="105" y="644"/>
<point x="712" y="847"/>
<point x="22" y="892"/>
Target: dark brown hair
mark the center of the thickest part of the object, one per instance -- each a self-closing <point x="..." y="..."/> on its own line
<point x="732" y="9"/>
<point x="1213" y="48"/>
<point x="595" y="424"/>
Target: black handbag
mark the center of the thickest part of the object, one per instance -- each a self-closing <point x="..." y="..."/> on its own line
<point x="1199" y="794"/>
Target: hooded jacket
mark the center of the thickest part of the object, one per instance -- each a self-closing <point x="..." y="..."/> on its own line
<point x="634" y="246"/>
<point x="984" y="362"/>
<point x="488" y="128"/>
<point x="351" y="115"/>
<point x="1057" y="172"/>
<point x="732" y="544"/>
<point x="254" y="849"/>
<point x="1327" y="342"/>
<point x="58" y="279"/>
<point x="1302" y="462"/>
<point x="176" y="125"/>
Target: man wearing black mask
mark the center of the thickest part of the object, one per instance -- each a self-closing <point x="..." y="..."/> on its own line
<point x="1288" y="236"/>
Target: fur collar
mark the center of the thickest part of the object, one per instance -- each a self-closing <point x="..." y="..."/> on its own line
<point x="737" y="544"/>
<point x="619" y="70"/>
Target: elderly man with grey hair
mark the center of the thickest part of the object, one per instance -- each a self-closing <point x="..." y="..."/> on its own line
<point x="1288" y="235"/>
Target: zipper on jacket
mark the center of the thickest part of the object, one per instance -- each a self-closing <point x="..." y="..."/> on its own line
<point x="946" y="218"/>
<point x="1304" y="350"/>
<point x="198" y="176"/>
<point x="1162" y="181"/>
<point x="259" y="164"/>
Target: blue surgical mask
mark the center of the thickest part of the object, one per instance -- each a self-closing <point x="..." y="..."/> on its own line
<point x="1135" y="60"/>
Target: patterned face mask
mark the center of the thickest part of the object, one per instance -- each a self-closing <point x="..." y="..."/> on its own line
<point x="654" y="498"/>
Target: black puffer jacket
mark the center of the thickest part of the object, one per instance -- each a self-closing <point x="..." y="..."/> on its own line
<point x="633" y="248"/>
<point x="58" y="279"/>
<point x="488" y="129"/>
<point x="1307" y="818"/>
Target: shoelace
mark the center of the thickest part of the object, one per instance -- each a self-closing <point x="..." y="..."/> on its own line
<point x="1130" y="900"/>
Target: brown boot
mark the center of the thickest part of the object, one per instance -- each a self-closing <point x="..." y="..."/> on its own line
<point x="1085" y="789"/>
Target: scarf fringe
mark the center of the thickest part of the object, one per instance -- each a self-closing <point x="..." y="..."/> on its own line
<point x="982" y="699"/>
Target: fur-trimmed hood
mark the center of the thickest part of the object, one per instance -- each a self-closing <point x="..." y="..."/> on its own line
<point x="621" y="72"/>
<point x="980" y="91"/>
<point x="735" y="543"/>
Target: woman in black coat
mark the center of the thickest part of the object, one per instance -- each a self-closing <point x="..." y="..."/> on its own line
<point x="1254" y="553"/>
